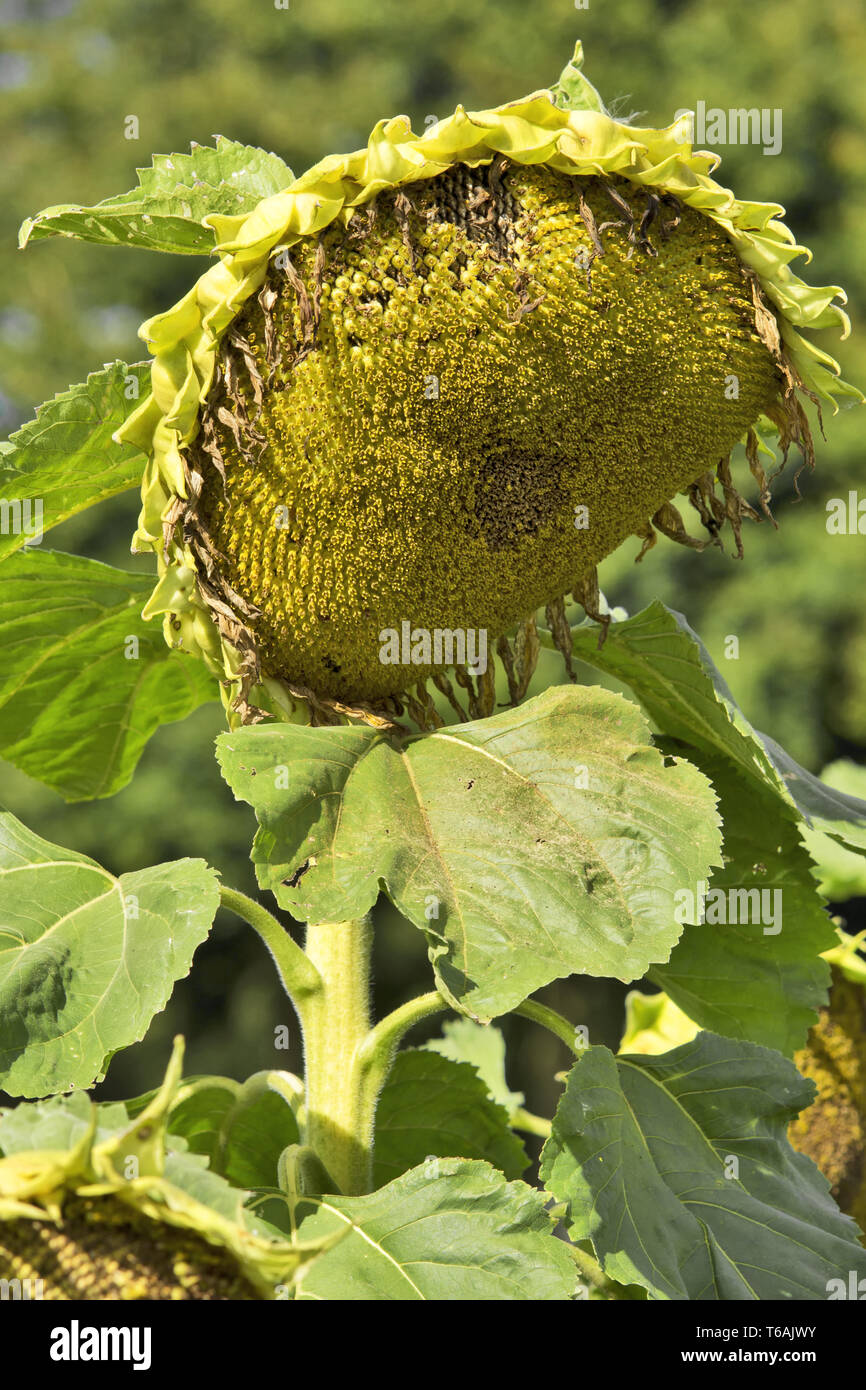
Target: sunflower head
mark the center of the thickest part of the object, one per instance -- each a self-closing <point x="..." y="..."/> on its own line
<point x="432" y="384"/>
<point x="112" y="1217"/>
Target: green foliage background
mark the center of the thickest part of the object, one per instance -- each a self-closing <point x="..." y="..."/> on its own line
<point x="311" y="80"/>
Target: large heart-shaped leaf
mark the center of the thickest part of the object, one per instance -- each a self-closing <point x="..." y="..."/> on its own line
<point x="166" y="211"/>
<point x="85" y="681"/>
<point x="678" y="1169"/>
<point x="450" y="1231"/>
<point x="671" y="672"/>
<point x="542" y="842"/>
<point x="86" y="959"/>
<point x="66" y="460"/>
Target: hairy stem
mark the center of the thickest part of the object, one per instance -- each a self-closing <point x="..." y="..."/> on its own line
<point x="531" y="1124"/>
<point x="335" y="1022"/>
<point x="299" y="976"/>
<point x="552" y="1021"/>
<point x="376" y="1054"/>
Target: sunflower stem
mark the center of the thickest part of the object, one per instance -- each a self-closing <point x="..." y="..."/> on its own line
<point x="552" y="1021"/>
<point x="335" y="1022"/>
<point x="375" y="1056"/>
<point x="298" y="975"/>
<point x="531" y="1124"/>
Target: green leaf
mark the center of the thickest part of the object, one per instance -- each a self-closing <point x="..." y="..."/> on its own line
<point x="166" y="211"/>
<point x="679" y="1170"/>
<point x="254" y="1132"/>
<point x="66" y="460"/>
<point x="842" y="872"/>
<point x="198" y="1112"/>
<point x="822" y="807"/>
<point x="86" y="959"/>
<point x="753" y="970"/>
<point x="58" y="1123"/>
<point x="85" y="682"/>
<point x="654" y="1023"/>
<point x="431" y="1108"/>
<point x="461" y="1234"/>
<point x="542" y="842"/>
<point x="846" y="957"/>
<point x="190" y="1173"/>
<point x="671" y="672"/>
<point x="484" y="1049"/>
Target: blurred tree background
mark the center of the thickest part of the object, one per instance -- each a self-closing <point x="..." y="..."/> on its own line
<point x="311" y="79"/>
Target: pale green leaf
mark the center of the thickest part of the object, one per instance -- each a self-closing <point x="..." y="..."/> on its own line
<point x="461" y="1234"/>
<point x="841" y="871"/>
<point x="86" y="959"/>
<point x="166" y="211"/>
<point x="483" y="1047"/>
<point x="60" y="1123"/>
<point x="574" y="91"/>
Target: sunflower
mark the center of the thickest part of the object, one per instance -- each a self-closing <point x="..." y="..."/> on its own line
<point x="124" y="1213"/>
<point x="428" y="387"/>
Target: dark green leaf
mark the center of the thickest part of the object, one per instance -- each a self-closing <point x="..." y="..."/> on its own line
<point x="753" y="969"/>
<point x="842" y="872"/>
<point x="679" y="1170"/>
<point x="197" y="1112"/>
<point x="254" y="1132"/>
<point x="671" y="672"/>
<point x="432" y="1108"/>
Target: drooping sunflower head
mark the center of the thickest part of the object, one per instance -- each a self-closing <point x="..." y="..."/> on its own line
<point x="116" y="1215"/>
<point x="432" y="384"/>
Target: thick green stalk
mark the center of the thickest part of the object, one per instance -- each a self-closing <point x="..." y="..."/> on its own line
<point x="335" y="1021"/>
